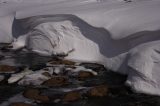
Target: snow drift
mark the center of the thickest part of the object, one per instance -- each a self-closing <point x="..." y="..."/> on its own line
<point x="122" y="36"/>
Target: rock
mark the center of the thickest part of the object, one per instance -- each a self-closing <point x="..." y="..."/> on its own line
<point x="98" y="91"/>
<point x="71" y="96"/>
<point x="59" y="61"/>
<point x="84" y="74"/>
<point x="56" y="81"/>
<point x="34" y="94"/>
<point x="20" y="104"/>
<point x="7" y="69"/>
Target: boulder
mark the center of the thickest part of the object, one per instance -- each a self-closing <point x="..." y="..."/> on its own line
<point x="59" y="61"/>
<point x="84" y="74"/>
<point x="71" y="96"/>
<point x="98" y="91"/>
<point x="56" y="81"/>
<point x="34" y="94"/>
<point x="20" y="104"/>
<point x="7" y="69"/>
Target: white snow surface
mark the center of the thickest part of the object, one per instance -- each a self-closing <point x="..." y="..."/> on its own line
<point x="123" y="36"/>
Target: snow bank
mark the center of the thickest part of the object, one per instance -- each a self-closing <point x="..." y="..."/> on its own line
<point x="6" y="28"/>
<point x="122" y="36"/>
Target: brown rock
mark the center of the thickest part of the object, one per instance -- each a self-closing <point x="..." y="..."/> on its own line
<point x="65" y="62"/>
<point x="20" y="104"/>
<point x="56" y="81"/>
<point x="71" y="96"/>
<point x="98" y="91"/>
<point x="7" y="69"/>
<point x="83" y="75"/>
<point x="34" y="94"/>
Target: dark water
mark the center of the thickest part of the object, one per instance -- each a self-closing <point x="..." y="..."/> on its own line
<point x="119" y="94"/>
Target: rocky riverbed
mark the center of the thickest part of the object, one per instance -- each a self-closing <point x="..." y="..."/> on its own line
<point x="27" y="79"/>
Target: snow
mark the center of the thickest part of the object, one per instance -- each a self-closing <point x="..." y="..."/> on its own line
<point x="16" y="77"/>
<point x="36" y="78"/>
<point x="123" y="36"/>
<point x="6" y="28"/>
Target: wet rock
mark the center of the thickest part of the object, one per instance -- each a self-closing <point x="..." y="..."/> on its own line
<point x="98" y="91"/>
<point x="7" y="69"/>
<point x="71" y="96"/>
<point x="34" y="94"/>
<point x="59" y="61"/>
<point x="84" y="74"/>
<point x="20" y="104"/>
<point x="56" y="81"/>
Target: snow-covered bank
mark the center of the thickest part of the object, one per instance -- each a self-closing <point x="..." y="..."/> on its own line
<point x="122" y="36"/>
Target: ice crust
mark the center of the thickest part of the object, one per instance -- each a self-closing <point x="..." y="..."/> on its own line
<point x="123" y="36"/>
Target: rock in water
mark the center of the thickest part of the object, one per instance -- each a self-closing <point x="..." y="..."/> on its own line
<point x="59" y="61"/>
<point x="20" y="104"/>
<point x="71" y="96"/>
<point x="7" y="69"/>
<point x="84" y="74"/>
<point x="34" y="94"/>
<point x="56" y="81"/>
<point x="98" y="91"/>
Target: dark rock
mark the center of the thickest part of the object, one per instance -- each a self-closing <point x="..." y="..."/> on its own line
<point x="20" y="104"/>
<point x="56" y="81"/>
<point x="7" y="69"/>
<point x="6" y="48"/>
<point x="94" y="66"/>
<point x="98" y="91"/>
<point x="71" y="96"/>
<point x="83" y="75"/>
<point x="34" y="94"/>
<point x="59" y="61"/>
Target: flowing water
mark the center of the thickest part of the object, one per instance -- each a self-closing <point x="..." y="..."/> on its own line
<point x="119" y="94"/>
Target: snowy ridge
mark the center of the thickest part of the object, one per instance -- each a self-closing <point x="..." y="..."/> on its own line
<point x="122" y="36"/>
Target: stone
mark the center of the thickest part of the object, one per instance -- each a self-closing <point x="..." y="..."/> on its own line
<point x="59" y="61"/>
<point x="71" y="96"/>
<point x="20" y="104"/>
<point x="56" y="81"/>
<point x="34" y="94"/>
<point x="7" y="69"/>
<point x="98" y="91"/>
<point x="84" y="74"/>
